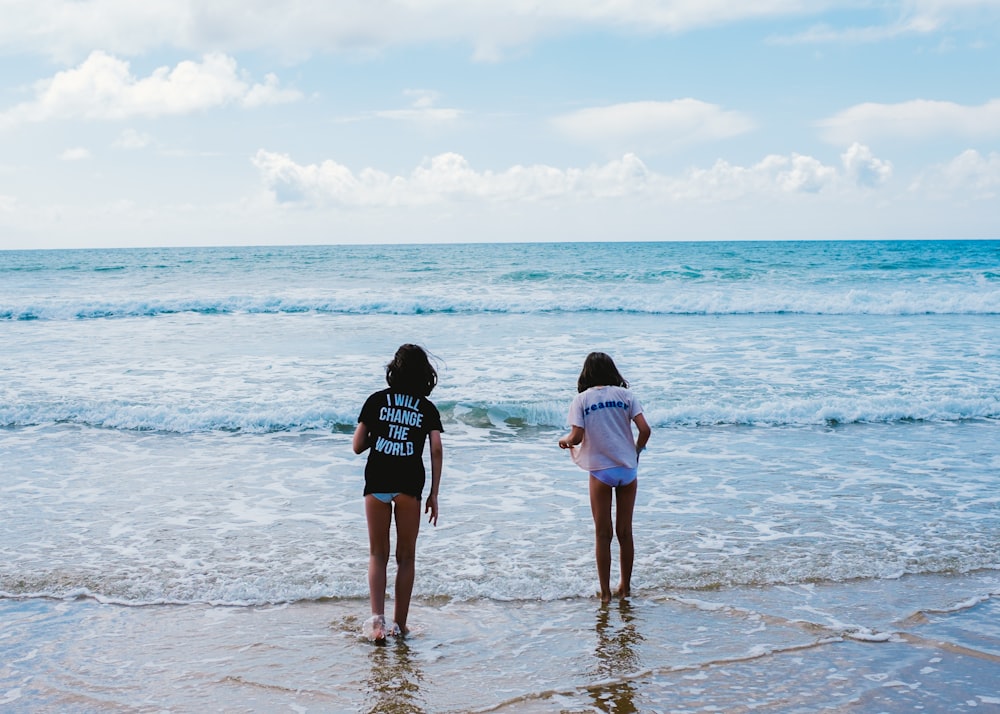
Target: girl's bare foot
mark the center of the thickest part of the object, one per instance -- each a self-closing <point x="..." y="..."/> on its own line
<point x="374" y="628"/>
<point x="622" y="592"/>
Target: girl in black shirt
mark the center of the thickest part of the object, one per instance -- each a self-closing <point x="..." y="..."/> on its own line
<point x="394" y="425"/>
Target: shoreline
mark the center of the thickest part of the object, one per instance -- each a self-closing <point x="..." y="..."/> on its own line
<point x="921" y="641"/>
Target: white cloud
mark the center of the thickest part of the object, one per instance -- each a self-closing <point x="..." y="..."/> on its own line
<point x="75" y="154"/>
<point x="916" y="119"/>
<point x="450" y="178"/>
<point x="653" y="127"/>
<point x="952" y="13"/>
<point x="422" y="109"/>
<point x="914" y="17"/>
<point x="446" y="177"/>
<point x="446" y="199"/>
<point x="132" y="139"/>
<point x="103" y="87"/>
<point x="969" y="176"/>
<point x="861" y="166"/>
<point x="773" y="175"/>
<point x="823" y="34"/>
<point x="269" y="93"/>
<point x="64" y="29"/>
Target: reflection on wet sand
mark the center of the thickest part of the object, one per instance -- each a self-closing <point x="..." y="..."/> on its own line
<point x="617" y="657"/>
<point x="394" y="680"/>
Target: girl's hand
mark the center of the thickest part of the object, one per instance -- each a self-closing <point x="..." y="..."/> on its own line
<point x="574" y="437"/>
<point x="361" y="440"/>
<point x="432" y="507"/>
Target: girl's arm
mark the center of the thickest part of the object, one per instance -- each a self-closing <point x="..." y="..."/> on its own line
<point x="360" y="438"/>
<point x="437" y="459"/>
<point x="574" y="437"/>
<point x="644" y="432"/>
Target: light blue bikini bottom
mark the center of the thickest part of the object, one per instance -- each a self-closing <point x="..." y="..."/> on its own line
<point x="617" y="476"/>
<point x="386" y="497"/>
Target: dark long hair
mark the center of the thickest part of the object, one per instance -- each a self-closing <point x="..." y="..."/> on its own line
<point x="411" y="371"/>
<point x="599" y="371"/>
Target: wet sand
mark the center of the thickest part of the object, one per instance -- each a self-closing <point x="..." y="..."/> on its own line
<point x="912" y="644"/>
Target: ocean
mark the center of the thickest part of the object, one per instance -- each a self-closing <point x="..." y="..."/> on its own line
<point x="823" y="477"/>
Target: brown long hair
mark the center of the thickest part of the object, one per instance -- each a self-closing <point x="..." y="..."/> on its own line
<point x="599" y="370"/>
<point x="411" y="371"/>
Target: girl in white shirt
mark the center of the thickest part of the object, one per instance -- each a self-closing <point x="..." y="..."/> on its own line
<point x="601" y="418"/>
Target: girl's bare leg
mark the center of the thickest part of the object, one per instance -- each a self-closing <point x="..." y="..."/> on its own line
<point x="600" y="508"/>
<point x="407" y="527"/>
<point x="379" y="517"/>
<point x="625" y="505"/>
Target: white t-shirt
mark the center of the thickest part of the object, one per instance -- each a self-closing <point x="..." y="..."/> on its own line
<point x="605" y="414"/>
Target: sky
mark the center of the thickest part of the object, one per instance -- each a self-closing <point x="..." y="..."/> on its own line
<point x="280" y="122"/>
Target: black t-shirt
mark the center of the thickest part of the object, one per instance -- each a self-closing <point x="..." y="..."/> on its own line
<point x="398" y="425"/>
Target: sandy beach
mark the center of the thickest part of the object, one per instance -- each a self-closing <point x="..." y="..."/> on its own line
<point x="843" y="647"/>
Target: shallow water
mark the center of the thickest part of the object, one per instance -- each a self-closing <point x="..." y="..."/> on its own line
<point x="148" y="517"/>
